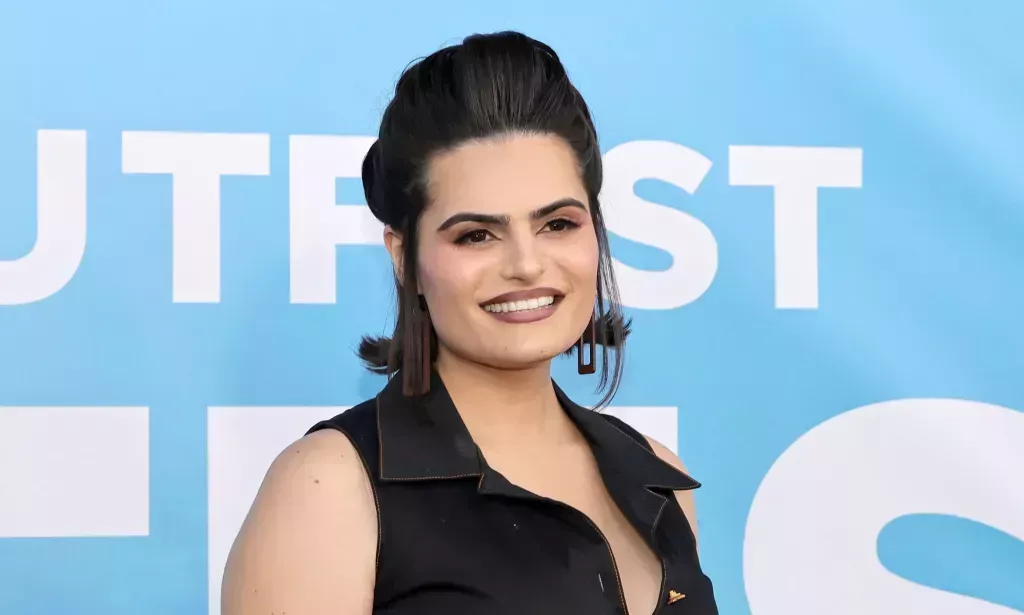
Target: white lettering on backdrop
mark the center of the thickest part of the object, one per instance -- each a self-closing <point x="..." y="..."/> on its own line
<point x="811" y="543"/>
<point x="318" y="224"/>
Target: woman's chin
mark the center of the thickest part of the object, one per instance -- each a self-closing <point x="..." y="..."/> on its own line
<point x="520" y="359"/>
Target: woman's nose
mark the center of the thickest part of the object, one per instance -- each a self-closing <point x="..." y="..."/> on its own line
<point x="524" y="260"/>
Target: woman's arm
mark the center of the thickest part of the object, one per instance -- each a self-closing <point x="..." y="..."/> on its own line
<point x="309" y="543"/>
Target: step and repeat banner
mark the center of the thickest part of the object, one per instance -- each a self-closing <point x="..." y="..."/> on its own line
<point x="817" y="212"/>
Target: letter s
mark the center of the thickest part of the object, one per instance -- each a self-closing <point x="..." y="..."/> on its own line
<point x="691" y="244"/>
<point x="812" y="533"/>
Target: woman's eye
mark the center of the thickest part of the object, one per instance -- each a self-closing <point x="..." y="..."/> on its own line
<point x="561" y="224"/>
<point x="477" y="236"/>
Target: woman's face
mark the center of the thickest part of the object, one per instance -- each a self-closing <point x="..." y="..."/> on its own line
<point x="507" y="251"/>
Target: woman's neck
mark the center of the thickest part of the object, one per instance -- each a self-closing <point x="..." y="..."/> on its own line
<point x="502" y="405"/>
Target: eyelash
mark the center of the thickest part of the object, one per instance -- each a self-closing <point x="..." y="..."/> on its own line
<point x="464" y="239"/>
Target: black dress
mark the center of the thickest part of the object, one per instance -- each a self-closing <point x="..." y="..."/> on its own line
<point x="457" y="538"/>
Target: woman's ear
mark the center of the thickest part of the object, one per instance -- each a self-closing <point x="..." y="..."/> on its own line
<point x="394" y="244"/>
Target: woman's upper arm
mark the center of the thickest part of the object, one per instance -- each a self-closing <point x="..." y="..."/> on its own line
<point x="309" y="543"/>
<point x="685" y="498"/>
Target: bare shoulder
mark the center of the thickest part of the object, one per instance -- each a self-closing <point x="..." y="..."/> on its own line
<point x="685" y="498"/>
<point x="309" y="542"/>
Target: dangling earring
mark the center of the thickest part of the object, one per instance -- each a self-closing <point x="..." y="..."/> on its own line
<point x="589" y="337"/>
<point x="426" y="331"/>
<point x="418" y="331"/>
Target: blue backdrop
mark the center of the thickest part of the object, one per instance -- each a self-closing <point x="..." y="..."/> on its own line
<point x="817" y="217"/>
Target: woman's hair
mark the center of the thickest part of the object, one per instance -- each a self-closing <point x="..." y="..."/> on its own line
<point x="490" y="85"/>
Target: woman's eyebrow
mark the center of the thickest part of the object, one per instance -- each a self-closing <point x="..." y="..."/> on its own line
<point x="504" y="219"/>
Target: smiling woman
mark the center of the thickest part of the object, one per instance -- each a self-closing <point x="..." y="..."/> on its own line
<point x="472" y="483"/>
<point x="511" y="225"/>
<point x="523" y="305"/>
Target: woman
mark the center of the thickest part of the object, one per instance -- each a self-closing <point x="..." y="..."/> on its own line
<point x="471" y="483"/>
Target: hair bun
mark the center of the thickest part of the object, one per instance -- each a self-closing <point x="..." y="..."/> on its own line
<point x="373" y="187"/>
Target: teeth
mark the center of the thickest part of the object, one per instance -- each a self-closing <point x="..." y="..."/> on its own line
<point x="520" y="306"/>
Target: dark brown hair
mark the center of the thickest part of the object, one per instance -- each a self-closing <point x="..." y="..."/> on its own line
<point x="487" y="86"/>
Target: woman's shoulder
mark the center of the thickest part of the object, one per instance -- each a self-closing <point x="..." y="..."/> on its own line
<point x="353" y="422"/>
<point x="326" y="466"/>
<point x="684" y="498"/>
<point x="649" y="443"/>
<point x="353" y="433"/>
<point x="315" y="498"/>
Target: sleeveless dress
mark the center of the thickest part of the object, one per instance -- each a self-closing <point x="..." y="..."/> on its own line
<point x="457" y="538"/>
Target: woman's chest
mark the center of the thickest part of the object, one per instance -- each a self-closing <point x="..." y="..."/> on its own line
<point x="578" y="485"/>
<point x="477" y="553"/>
<point x="638" y="568"/>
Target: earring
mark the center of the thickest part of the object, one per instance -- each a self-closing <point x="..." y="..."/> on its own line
<point x="426" y="330"/>
<point x="418" y="332"/>
<point x="589" y="337"/>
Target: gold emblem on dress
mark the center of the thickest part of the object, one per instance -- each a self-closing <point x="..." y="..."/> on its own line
<point x="674" y="596"/>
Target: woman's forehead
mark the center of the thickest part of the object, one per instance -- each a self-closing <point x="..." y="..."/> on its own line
<point x="508" y="175"/>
